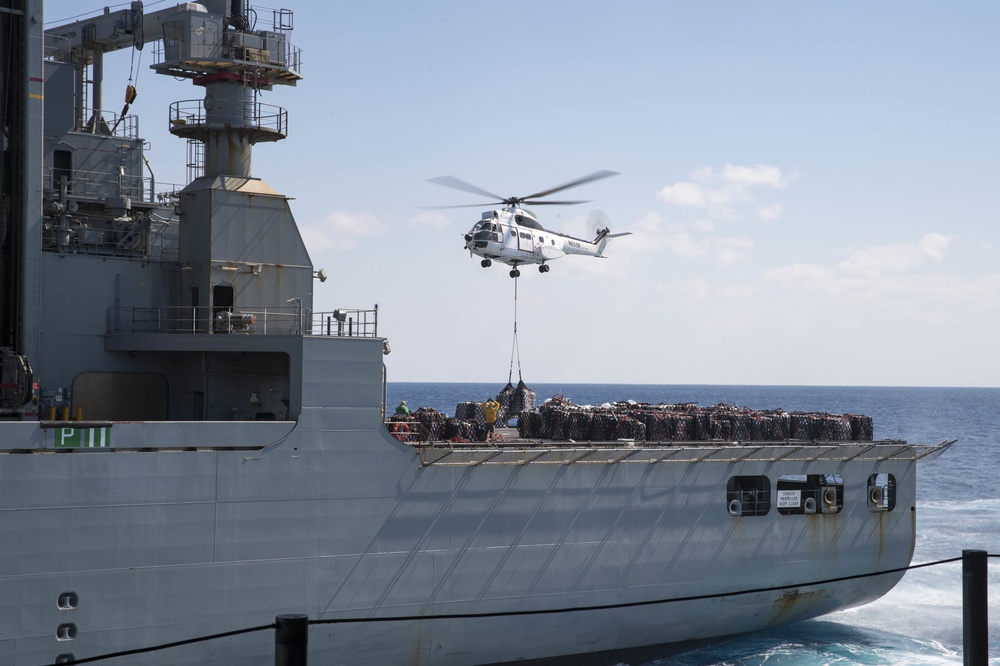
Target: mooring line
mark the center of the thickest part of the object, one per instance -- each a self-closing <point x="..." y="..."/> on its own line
<point x="462" y="616"/>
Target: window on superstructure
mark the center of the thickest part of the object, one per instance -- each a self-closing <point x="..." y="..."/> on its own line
<point x="810" y="493"/>
<point x="748" y="496"/>
<point x="62" y="169"/>
<point x="222" y="306"/>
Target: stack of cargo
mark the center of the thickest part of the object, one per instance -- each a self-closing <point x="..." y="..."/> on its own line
<point x="433" y="424"/>
<point x="471" y="420"/>
<point x="470" y="411"/>
<point x="558" y="418"/>
<point x="514" y="400"/>
<point x="429" y="425"/>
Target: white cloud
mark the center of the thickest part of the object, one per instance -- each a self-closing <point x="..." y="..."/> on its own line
<point x="876" y="260"/>
<point x="650" y="222"/>
<point x="933" y="245"/>
<point x="654" y="234"/>
<point x="683" y="245"/>
<point x="759" y="174"/>
<point x="893" y="273"/>
<point x="731" y="249"/>
<point x="724" y="250"/>
<point x="695" y="287"/>
<point x="341" y="230"/>
<point x="701" y="289"/>
<point x="722" y="193"/>
<point x="429" y="220"/>
<point x="737" y="290"/>
<point x="684" y="194"/>
<point x="772" y="212"/>
<point x="808" y="276"/>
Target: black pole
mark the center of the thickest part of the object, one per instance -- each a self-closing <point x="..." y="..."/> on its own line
<point x="974" y="608"/>
<point x="291" y="640"/>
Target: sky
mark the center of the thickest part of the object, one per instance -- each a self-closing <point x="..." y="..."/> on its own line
<point x="813" y="188"/>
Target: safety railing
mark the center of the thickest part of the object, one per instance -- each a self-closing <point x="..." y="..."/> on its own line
<point x="96" y="184"/>
<point x="355" y="323"/>
<point x="280" y="320"/>
<point x="407" y="431"/>
<point x="189" y="117"/>
<point x="102" y="184"/>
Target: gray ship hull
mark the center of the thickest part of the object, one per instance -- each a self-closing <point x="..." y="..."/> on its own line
<point x="181" y="530"/>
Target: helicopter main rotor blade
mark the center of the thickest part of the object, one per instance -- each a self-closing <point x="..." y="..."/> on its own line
<point x="579" y="181"/>
<point x="478" y="205"/>
<point x="456" y="184"/>
<point x="553" y="203"/>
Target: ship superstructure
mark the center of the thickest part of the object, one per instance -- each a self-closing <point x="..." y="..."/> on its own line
<point x="188" y="448"/>
<point x="221" y="256"/>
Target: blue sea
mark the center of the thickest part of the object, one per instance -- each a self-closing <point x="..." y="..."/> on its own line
<point x="919" y="623"/>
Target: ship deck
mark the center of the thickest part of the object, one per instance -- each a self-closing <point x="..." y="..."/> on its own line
<point x="508" y="448"/>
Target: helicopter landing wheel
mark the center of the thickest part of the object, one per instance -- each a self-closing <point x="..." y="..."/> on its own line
<point x="543" y="268"/>
<point x="485" y="263"/>
<point x="515" y="273"/>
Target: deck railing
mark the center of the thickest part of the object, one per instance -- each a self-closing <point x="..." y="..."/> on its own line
<point x="280" y="320"/>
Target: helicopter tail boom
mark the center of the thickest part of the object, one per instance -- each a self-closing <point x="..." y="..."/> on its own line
<point x="603" y="236"/>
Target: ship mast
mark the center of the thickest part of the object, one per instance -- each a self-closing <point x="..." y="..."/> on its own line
<point x="234" y="257"/>
<point x="234" y="64"/>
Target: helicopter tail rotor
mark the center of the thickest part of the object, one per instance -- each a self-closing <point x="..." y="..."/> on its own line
<point x="599" y="222"/>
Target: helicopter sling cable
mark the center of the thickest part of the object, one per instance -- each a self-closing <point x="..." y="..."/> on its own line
<point x="514" y="351"/>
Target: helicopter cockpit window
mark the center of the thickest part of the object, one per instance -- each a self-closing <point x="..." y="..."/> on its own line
<point x="485" y="230"/>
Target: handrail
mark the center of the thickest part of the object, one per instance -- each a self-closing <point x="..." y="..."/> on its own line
<point x="191" y="114"/>
<point x="278" y="320"/>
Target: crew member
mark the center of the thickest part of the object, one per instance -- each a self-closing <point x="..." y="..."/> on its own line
<point x="402" y="409"/>
<point x="490" y="410"/>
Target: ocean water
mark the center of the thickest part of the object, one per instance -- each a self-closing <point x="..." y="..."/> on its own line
<point x="919" y="623"/>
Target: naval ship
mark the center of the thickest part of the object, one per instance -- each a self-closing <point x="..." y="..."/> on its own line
<point x="188" y="448"/>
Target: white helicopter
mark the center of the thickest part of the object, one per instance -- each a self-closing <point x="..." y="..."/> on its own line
<point x="513" y="236"/>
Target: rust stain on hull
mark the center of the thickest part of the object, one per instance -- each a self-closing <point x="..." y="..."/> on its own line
<point x="795" y="603"/>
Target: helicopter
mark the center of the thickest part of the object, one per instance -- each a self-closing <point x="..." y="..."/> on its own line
<point x="512" y="235"/>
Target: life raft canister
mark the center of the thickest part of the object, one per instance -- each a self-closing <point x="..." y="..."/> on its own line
<point x="401" y="431"/>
